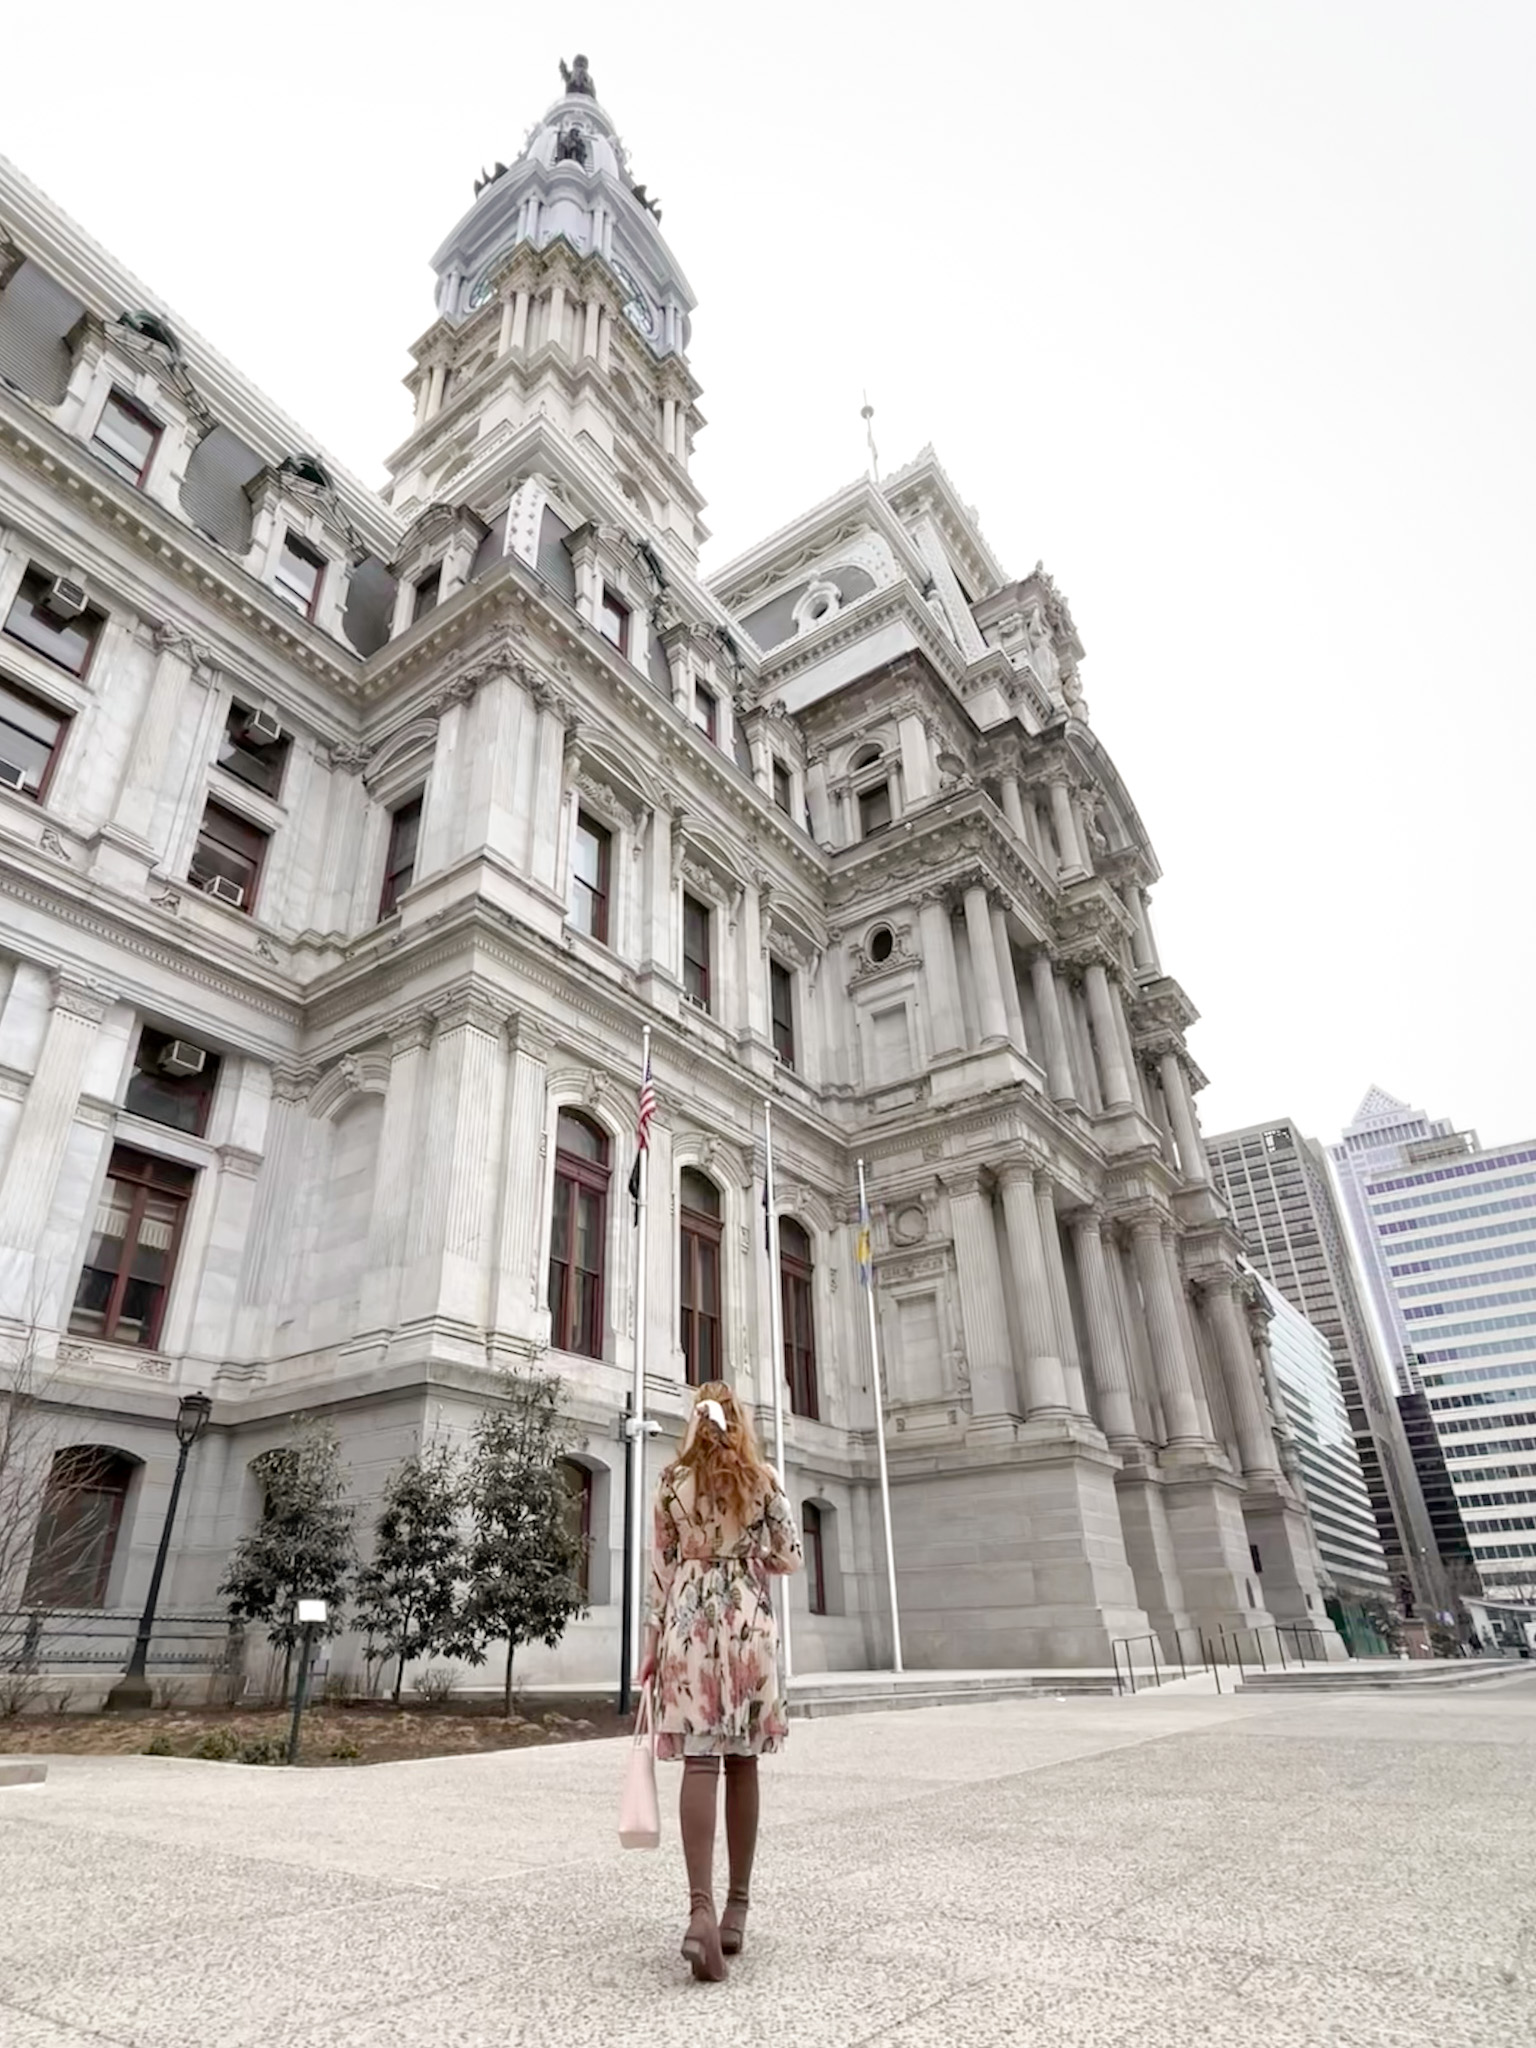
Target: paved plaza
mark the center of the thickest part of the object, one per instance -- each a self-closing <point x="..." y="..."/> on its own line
<point x="1175" y="1868"/>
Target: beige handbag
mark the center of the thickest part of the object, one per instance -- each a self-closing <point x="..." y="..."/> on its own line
<point x="639" y="1813"/>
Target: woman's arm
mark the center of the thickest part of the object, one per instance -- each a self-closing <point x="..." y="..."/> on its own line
<point x="784" y="1553"/>
<point x="665" y="1552"/>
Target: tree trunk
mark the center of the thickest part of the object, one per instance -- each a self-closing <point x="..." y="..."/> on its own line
<point x="287" y="1671"/>
<point x="506" y="1696"/>
<point x="399" y="1677"/>
<point x="405" y="1636"/>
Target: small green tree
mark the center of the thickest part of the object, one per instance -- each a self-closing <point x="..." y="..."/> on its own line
<point x="407" y="1592"/>
<point x="524" y="1552"/>
<point x="302" y="1547"/>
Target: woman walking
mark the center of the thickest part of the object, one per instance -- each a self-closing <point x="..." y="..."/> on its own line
<point x="722" y="1526"/>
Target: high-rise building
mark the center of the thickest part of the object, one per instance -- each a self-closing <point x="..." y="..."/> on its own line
<point x="352" y="840"/>
<point x="1456" y="1226"/>
<point x="1275" y="1184"/>
<point x="1326" y="1462"/>
<point x="1374" y="1141"/>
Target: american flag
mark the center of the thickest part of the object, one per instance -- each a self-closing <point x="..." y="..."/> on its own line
<point x="642" y="1132"/>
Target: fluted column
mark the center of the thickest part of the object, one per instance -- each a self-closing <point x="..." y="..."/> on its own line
<point x="42" y="1130"/>
<point x="1141" y="936"/>
<point x="400" y="1140"/>
<point x="1101" y="1007"/>
<point x="452" y="1219"/>
<point x="1106" y="1348"/>
<point x="946" y="1026"/>
<point x="989" y="986"/>
<point x="519" y="1291"/>
<point x="1002" y="947"/>
<point x="1240" y="1372"/>
<point x="277" y="1185"/>
<point x="982" y="1306"/>
<point x="1058" y="1061"/>
<point x="1013" y="807"/>
<point x="141" y="791"/>
<point x="1186" y="1310"/>
<point x="1072" y="862"/>
<point x="1170" y="1364"/>
<point x="1061" y="1299"/>
<point x="1045" y="1384"/>
<point x="548" y="790"/>
<point x="1181" y="1109"/>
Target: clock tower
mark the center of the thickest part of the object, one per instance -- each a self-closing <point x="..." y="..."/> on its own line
<point x="560" y="303"/>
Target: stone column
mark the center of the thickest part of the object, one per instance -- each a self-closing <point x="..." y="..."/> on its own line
<point x="1013" y="807"/>
<point x="989" y="987"/>
<point x="940" y="975"/>
<point x="1181" y="1109"/>
<point x="1106" y="1350"/>
<point x="917" y="759"/>
<point x="141" y="791"/>
<point x="401" y="1138"/>
<point x="1101" y="1006"/>
<point x="1058" y="1061"/>
<point x="1186" y="1313"/>
<point x="460" y="1164"/>
<point x="42" y="1130"/>
<point x="548" y="792"/>
<point x="1144" y="920"/>
<point x="277" y="1186"/>
<point x="1072" y="862"/>
<point x="982" y="1307"/>
<point x="1045" y="1383"/>
<point x="1061" y="1299"/>
<point x="519" y="1289"/>
<point x="1013" y="1009"/>
<point x="1169" y="1363"/>
<point x="1141" y="937"/>
<point x="519" y="320"/>
<point x="1240" y="1374"/>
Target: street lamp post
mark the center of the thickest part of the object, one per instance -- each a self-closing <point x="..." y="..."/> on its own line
<point x="132" y="1691"/>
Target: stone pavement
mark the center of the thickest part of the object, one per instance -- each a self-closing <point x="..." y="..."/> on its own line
<point x="1211" y="1872"/>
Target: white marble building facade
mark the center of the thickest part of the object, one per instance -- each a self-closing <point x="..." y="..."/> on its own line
<point x="349" y="843"/>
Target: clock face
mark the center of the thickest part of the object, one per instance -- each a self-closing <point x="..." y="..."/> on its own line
<point x="479" y="292"/>
<point x="638" y="309"/>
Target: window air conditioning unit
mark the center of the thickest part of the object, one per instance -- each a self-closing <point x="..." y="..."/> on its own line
<point x="66" y="596"/>
<point x="182" y="1059"/>
<point x="12" y="776"/>
<point x="263" y="728"/>
<point x="225" y="890"/>
<point x="698" y="1002"/>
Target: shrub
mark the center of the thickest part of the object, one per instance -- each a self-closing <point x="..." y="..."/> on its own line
<point x="218" y="1746"/>
<point x="344" y="1752"/>
<point x="158" y="1745"/>
<point x="263" y="1749"/>
<point x="436" y="1686"/>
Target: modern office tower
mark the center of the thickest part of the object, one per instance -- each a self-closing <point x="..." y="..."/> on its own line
<point x="1276" y="1186"/>
<point x="1438" y="1488"/>
<point x="1327" y="1464"/>
<point x="1456" y="1224"/>
<point x="352" y="840"/>
<point x="1373" y="1143"/>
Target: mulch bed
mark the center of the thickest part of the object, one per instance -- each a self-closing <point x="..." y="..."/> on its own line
<point x="351" y="1732"/>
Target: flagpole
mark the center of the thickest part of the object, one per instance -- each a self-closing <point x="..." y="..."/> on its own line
<point x="636" y="1419"/>
<point x="885" y="1477"/>
<point x="776" y="1357"/>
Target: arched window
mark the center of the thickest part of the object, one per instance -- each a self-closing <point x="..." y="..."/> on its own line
<point x="577" y="1482"/>
<point x="866" y="757"/>
<point x="799" y="1317"/>
<point x="699" y="1220"/>
<point x="578" y="1236"/>
<point x="77" y="1531"/>
<point x="815" y="1560"/>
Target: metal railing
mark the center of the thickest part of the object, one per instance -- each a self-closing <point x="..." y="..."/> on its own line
<point x="1160" y="1673"/>
<point x="43" y="1639"/>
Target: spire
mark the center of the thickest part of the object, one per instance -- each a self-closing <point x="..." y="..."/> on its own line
<point x="1379" y="1107"/>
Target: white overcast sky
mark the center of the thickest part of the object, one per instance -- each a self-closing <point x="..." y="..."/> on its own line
<point x="1222" y="307"/>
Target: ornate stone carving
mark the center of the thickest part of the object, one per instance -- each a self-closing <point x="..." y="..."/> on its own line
<point x="168" y="900"/>
<point x="349" y="757"/>
<point x="236" y="1159"/>
<point x="293" y="1083"/>
<point x="78" y="996"/>
<point x="52" y="843"/>
<point x="571" y="147"/>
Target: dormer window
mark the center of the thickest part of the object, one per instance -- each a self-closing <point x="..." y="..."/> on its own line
<point x="126" y="438"/>
<point x="300" y="572"/>
<point x="613" y="621"/>
<point x="706" y="713"/>
<point x="429" y="591"/>
<point x="783" y="789"/>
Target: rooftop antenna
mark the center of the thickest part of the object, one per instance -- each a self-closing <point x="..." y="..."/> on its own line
<point x="867" y="414"/>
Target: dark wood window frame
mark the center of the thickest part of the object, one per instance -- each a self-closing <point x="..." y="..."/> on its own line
<point x="21" y="700"/>
<point x="400" y="857"/>
<point x="147" y="1177"/>
<point x="783" y="787"/>
<point x="71" y="1562"/>
<point x="613" y="620"/>
<point x="30" y="625"/>
<point x="259" y="764"/>
<point x="871" y="801"/>
<point x="594" y="897"/>
<point x="427" y="593"/>
<point x="700" y="1239"/>
<point x="201" y="865"/>
<point x="575" y="1293"/>
<point x="706" y="712"/>
<point x="696" y="975"/>
<point x="577" y="1481"/>
<point x="798" y="1298"/>
<point x="181" y="1103"/>
<point x="812" y="1537"/>
<point x="119" y="402"/>
<point x="781" y="1010"/>
<point x="291" y="594"/>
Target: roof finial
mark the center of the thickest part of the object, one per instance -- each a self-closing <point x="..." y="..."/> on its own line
<point x="867" y="415"/>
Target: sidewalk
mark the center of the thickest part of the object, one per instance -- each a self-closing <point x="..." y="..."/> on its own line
<point x="1170" y="1869"/>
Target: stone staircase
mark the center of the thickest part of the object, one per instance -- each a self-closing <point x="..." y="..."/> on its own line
<point x="1383" y="1674"/>
<point x="883" y="1692"/>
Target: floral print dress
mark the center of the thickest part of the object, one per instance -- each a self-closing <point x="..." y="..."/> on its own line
<point x="718" y="1688"/>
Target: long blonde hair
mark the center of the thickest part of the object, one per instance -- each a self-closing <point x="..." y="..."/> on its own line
<point x="728" y="1470"/>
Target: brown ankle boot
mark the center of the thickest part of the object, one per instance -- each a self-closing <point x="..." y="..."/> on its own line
<point x="733" y="1925"/>
<point x="701" y="1944"/>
